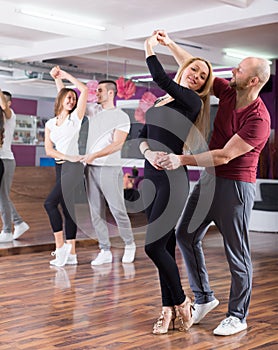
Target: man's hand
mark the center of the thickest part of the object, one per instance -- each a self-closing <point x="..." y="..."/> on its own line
<point x="163" y="38"/>
<point x="73" y="159"/>
<point x="169" y="161"/>
<point x="153" y="157"/>
<point x="55" y="72"/>
<point x="87" y="158"/>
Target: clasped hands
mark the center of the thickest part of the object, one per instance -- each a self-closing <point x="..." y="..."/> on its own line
<point x="159" y="37"/>
<point x="56" y="72"/>
<point x="163" y="160"/>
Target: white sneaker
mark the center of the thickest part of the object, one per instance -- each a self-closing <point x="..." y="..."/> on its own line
<point x="104" y="257"/>
<point x="62" y="255"/>
<point x="72" y="259"/>
<point x="129" y="253"/>
<point x="200" y="310"/>
<point x="229" y="326"/>
<point x="20" y="229"/>
<point x="6" y="237"/>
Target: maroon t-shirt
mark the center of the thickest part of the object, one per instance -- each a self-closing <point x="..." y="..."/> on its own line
<point x="251" y="123"/>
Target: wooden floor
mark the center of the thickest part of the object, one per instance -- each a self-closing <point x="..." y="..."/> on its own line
<point x="113" y="306"/>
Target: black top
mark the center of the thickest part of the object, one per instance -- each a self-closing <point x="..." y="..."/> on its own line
<point x="167" y="127"/>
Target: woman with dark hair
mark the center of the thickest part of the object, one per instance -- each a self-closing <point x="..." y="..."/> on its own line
<point x="170" y="126"/>
<point x="61" y="143"/>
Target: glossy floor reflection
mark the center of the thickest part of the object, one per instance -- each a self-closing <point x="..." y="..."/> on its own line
<point x="113" y="306"/>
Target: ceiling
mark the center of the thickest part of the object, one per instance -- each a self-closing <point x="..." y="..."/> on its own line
<point x="30" y="46"/>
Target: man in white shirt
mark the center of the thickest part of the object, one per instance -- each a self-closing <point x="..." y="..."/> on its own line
<point x="108" y="129"/>
<point x="8" y="212"/>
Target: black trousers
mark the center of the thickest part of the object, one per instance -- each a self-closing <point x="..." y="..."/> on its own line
<point x="68" y="178"/>
<point x="164" y="194"/>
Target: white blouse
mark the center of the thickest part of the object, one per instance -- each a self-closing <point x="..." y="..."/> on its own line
<point x="65" y="137"/>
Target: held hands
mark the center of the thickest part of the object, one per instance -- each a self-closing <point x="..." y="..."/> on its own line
<point x="57" y="73"/>
<point x="87" y="158"/>
<point x="72" y="159"/>
<point x="152" y="40"/>
<point x="162" y="37"/>
<point x="153" y="158"/>
<point x="169" y="161"/>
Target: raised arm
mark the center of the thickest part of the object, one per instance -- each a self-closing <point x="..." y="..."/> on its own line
<point x="55" y="75"/>
<point x="58" y="75"/>
<point x="178" y="53"/>
<point x="149" y="45"/>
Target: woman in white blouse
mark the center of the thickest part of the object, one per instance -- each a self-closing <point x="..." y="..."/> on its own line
<point x="61" y="143"/>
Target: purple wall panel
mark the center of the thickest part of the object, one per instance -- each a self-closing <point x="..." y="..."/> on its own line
<point x="24" y="106"/>
<point x="129" y="170"/>
<point x="24" y="155"/>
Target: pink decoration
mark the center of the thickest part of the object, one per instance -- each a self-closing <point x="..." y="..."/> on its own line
<point x="92" y="87"/>
<point x="146" y="102"/>
<point x="139" y="115"/>
<point x="126" y="89"/>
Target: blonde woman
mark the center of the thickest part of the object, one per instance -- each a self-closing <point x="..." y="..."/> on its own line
<point x="168" y="127"/>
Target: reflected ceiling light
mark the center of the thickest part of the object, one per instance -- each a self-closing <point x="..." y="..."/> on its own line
<point x="242" y="55"/>
<point x="47" y="15"/>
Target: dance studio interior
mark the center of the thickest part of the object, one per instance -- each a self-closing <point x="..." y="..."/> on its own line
<point x="113" y="306"/>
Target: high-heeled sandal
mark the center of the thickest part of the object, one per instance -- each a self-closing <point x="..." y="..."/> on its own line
<point x="162" y="324"/>
<point x="184" y="313"/>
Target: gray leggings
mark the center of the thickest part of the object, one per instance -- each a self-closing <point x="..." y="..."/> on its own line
<point x="105" y="184"/>
<point x="228" y="203"/>
<point x="8" y="212"/>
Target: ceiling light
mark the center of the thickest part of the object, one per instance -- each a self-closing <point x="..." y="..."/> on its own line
<point x="47" y="15"/>
<point x="6" y="69"/>
<point x="242" y="55"/>
<point x="142" y="79"/>
<point x="227" y="72"/>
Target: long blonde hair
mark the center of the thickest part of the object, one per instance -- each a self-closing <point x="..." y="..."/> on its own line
<point x="197" y="136"/>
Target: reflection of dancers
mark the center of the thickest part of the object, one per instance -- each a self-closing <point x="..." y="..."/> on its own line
<point x="9" y="213"/>
<point x="99" y="273"/>
<point x="167" y="127"/>
<point x="64" y="277"/>
<point x="63" y="306"/>
<point x="61" y="143"/>
<point x="129" y="271"/>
